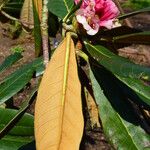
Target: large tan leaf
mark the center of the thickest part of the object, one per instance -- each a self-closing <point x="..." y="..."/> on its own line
<point x="58" y="111"/>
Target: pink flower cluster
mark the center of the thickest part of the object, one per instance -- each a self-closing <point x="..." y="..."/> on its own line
<point x="94" y="14"/>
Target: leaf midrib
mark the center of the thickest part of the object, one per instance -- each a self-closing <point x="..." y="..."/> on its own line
<point x="31" y="69"/>
<point x="126" y="129"/>
<point x="29" y="138"/>
<point x="18" y="126"/>
<point x="98" y="50"/>
<point x="136" y="90"/>
<point x="65" y="3"/>
<point x="14" y="82"/>
<point x="64" y="86"/>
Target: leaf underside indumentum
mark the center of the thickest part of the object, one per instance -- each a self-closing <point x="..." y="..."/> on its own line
<point x="58" y="110"/>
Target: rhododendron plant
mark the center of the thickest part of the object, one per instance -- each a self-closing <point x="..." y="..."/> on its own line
<point x="95" y="14"/>
<point x="81" y="85"/>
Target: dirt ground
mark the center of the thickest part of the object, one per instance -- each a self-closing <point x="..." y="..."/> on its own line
<point x="93" y="139"/>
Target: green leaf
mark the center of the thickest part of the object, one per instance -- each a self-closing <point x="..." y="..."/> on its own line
<point x="15" y="84"/>
<point x="53" y="25"/>
<point x="118" y="31"/>
<point x="14" y="142"/>
<point x="40" y="70"/>
<point x="17" y="80"/>
<point x="18" y="115"/>
<point x="138" y="86"/>
<point x="10" y="60"/>
<point x="21" y="134"/>
<point x="135" y="38"/>
<point x="134" y="13"/>
<point x="60" y="7"/>
<point x="120" y="123"/>
<point x="25" y="126"/>
<point x="72" y="11"/>
<point x="106" y="37"/>
<point x="116" y="64"/>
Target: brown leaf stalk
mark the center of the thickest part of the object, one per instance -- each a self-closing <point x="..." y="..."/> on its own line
<point x="44" y="29"/>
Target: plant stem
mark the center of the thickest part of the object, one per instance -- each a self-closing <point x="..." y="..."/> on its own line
<point x="8" y="16"/>
<point x="44" y="29"/>
<point x="127" y="21"/>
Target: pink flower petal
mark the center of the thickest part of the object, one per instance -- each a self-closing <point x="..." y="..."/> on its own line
<point x="107" y="23"/>
<point x="93" y="31"/>
<point x="81" y="19"/>
<point x="94" y="14"/>
<point x="110" y="10"/>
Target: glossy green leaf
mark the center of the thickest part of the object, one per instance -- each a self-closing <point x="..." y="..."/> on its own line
<point x="10" y="60"/>
<point x="118" y="31"/>
<point x="14" y="85"/>
<point x="40" y="70"/>
<point x="120" y="123"/>
<point x="139" y="87"/>
<point x="124" y="16"/>
<point x="10" y="142"/>
<point x="11" y="123"/>
<point x="72" y="11"/>
<point x="106" y="37"/>
<point x="60" y="7"/>
<point x="37" y="64"/>
<point x="21" y="134"/>
<point x="17" y="80"/>
<point x="116" y="64"/>
<point x="135" y="38"/>
<point x="25" y="126"/>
